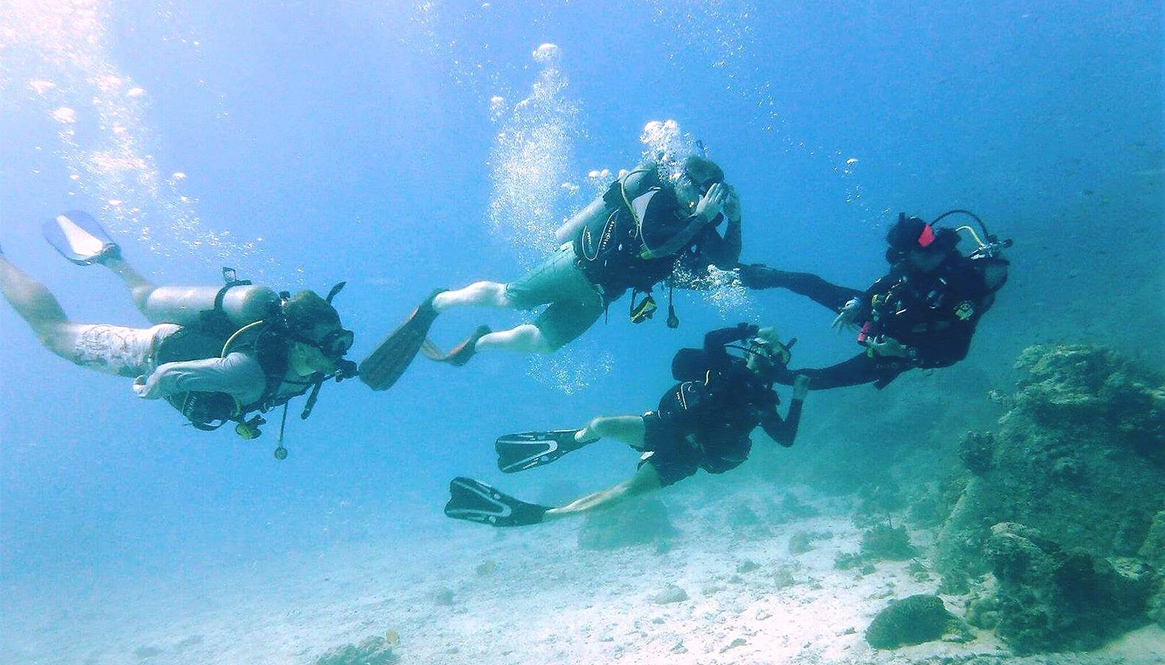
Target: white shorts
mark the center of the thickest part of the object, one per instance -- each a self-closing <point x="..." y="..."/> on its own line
<point x="130" y="352"/>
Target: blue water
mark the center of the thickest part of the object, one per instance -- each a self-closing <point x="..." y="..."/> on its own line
<point x="319" y="142"/>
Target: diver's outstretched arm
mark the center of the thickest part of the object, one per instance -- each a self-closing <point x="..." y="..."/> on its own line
<point x="826" y="294"/>
<point x="878" y="370"/>
<point x="645" y="480"/>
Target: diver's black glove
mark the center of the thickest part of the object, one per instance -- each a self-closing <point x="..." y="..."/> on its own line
<point x="346" y="370"/>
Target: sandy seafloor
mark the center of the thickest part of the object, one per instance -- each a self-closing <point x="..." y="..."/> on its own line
<point x="546" y="601"/>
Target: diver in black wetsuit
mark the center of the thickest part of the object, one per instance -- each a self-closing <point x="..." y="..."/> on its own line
<point x="702" y="422"/>
<point x="922" y="314"/>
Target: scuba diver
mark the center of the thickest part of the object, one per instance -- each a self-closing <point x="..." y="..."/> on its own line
<point x="632" y="237"/>
<point x="217" y="354"/>
<point x="923" y="313"/>
<point x="702" y="422"/>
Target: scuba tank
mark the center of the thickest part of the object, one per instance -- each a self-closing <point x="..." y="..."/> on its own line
<point x="636" y="182"/>
<point x="231" y="306"/>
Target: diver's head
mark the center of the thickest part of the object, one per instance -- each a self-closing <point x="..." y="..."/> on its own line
<point x="698" y="175"/>
<point x="766" y="353"/>
<point x="319" y="341"/>
<point x="920" y="245"/>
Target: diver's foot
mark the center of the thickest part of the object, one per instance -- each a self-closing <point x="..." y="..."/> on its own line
<point x="426" y="307"/>
<point x="463" y="352"/>
<point x="109" y="252"/>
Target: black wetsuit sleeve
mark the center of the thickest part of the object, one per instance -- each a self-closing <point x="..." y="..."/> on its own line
<point x="721" y="251"/>
<point x="784" y="431"/>
<point x="826" y="294"/>
<point x="860" y="369"/>
<point x="715" y="340"/>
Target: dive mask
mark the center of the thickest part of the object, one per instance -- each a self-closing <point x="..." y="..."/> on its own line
<point x="333" y="345"/>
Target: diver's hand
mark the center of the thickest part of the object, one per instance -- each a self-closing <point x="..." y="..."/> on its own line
<point x="712" y="202"/>
<point x="731" y="207"/>
<point x="800" y="387"/>
<point x="847" y="319"/>
<point x="887" y="346"/>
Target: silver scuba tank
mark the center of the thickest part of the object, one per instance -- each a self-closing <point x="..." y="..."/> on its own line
<point x="184" y="305"/>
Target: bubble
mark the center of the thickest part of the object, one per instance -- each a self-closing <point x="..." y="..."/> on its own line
<point x="570" y="370"/>
<point x="546" y="54"/>
<point x="65" y="115"/>
<point x="68" y="45"/>
<point x="529" y="162"/>
<point x="720" y="288"/>
<point x="41" y="87"/>
<point x="667" y="144"/>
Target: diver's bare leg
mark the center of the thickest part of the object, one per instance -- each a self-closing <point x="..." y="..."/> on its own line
<point x="39" y="307"/>
<point x="645" y="480"/>
<point x="526" y="338"/>
<point x="628" y="429"/>
<point x="478" y="294"/>
<point x="139" y="287"/>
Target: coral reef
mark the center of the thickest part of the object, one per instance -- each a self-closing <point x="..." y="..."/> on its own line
<point x="912" y="620"/>
<point x="1153" y="553"/>
<point x="372" y="651"/>
<point x="1078" y="457"/>
<point x="976" y="450"/>
<point x="1072" y="480"/>
<point x="636" y="523"/>
<point x="1052" y="599"/>
<point x="886" y="542"/>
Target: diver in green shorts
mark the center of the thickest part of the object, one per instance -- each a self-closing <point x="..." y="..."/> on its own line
<point x="630" y="239"/>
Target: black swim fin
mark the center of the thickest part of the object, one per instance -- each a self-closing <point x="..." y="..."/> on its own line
<point x="526" y="450"/>
<point x="459" y="355"/>
<point x="79" y="238"/>
<point x="475" y="501"/>
<point x="385" y="365"/>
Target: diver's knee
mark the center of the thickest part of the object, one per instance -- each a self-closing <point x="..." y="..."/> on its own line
<point x="540" y="343"/>
<point x="59" y="338"/>
<point x="141" y="296"/>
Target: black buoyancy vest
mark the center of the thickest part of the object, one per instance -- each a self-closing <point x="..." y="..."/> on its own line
<point x="734" y="389"/>
<point x="210" y="410"/>
<point x="919" y="304"/>
<point x="611" y="248"/>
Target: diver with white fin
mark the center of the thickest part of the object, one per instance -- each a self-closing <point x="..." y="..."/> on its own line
<point x="217" y="354"/>
<point x="703" y="422"/>
<point x="648" y="222"/>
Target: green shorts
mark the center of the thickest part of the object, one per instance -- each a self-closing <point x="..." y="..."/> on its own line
<point x="575" y="303"/>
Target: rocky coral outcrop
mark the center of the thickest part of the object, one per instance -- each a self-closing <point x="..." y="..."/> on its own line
<point x="375" y="650"/>
<point x="1052" y="599"/>
<point x="912" y="620"/>
<point x="1080" y="456"/>
<point x="1073" y="481"/>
